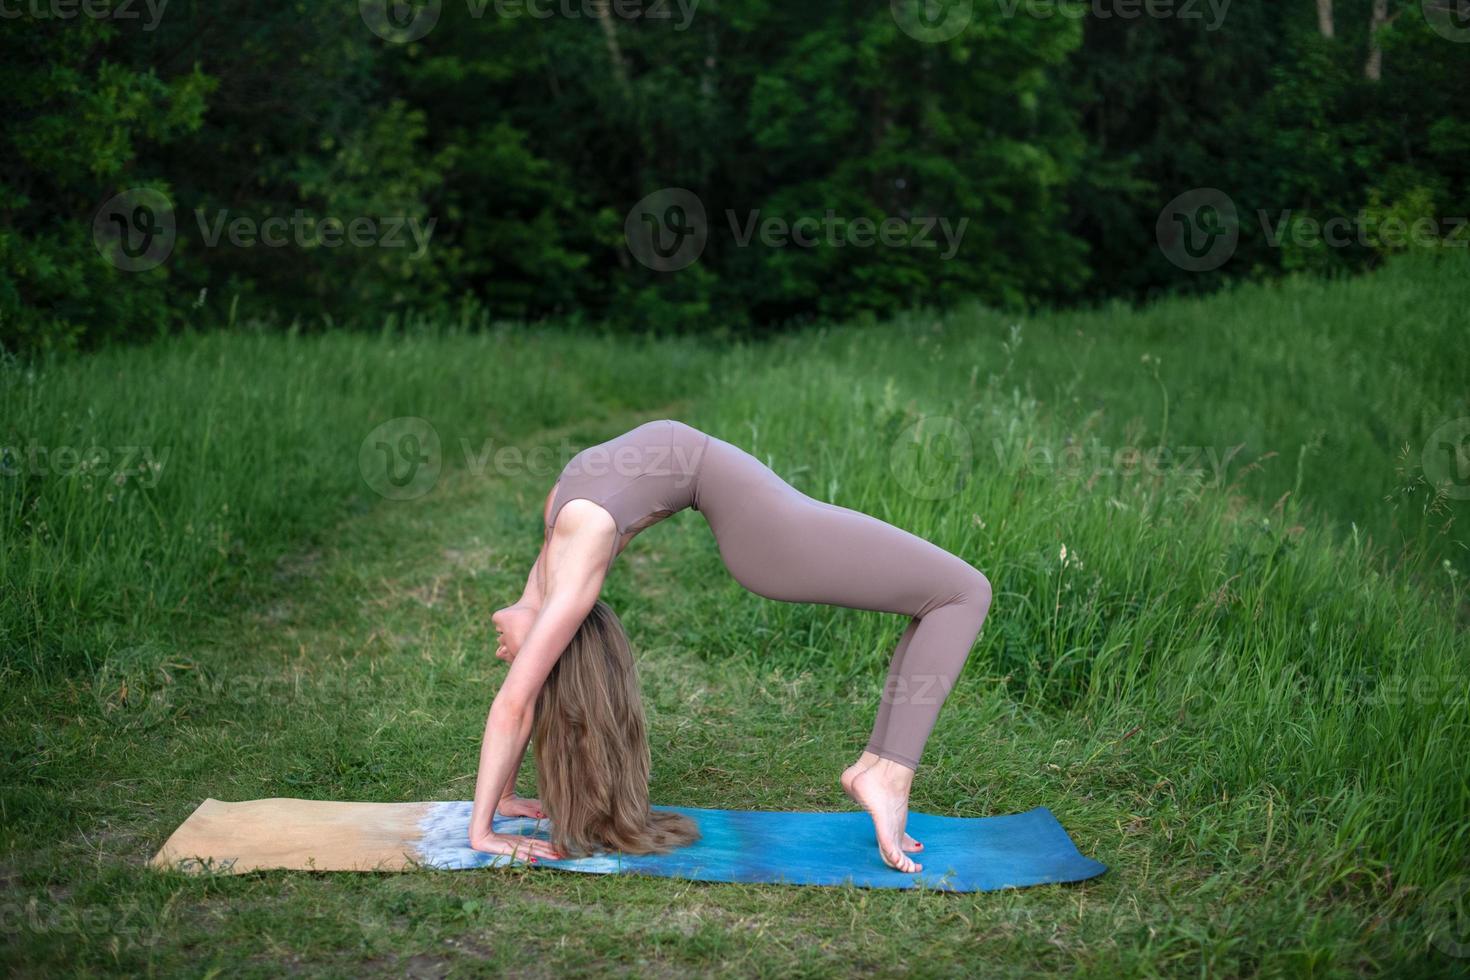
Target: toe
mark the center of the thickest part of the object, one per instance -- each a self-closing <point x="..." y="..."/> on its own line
<point x="898" y="861"/>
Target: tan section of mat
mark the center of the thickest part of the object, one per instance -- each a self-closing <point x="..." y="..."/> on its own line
<point x="299" y="835"/>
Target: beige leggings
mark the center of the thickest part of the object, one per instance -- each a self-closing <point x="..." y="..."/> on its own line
<point x="782" y="544"/>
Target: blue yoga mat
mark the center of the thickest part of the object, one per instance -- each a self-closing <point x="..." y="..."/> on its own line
<point x="961" y="854"/>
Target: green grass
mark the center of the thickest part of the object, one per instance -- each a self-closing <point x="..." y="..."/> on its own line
<point x="1254" y="713"/>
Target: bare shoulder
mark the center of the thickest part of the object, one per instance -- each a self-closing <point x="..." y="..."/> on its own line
<point x="577" y="552"/>
<point x="581" y="513"/>
<point x="583" y="521"/>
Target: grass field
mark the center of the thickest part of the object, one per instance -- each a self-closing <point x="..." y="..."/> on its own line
<point x="1243" y="684"/>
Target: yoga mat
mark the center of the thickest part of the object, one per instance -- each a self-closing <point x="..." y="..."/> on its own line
<point x="960" y="854"/>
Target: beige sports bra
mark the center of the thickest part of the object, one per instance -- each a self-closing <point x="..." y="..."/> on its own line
<point x="640" y="477"/>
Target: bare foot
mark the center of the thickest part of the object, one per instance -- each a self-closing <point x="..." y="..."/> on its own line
<point x="883" y="790"/>
<point x="850" y="773"/>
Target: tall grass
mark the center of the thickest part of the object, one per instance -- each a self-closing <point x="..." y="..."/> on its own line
<point x="1258" y="654"/>
<point x="140" y="484"/>
<point x="1327" y="391"/>
<point x="1263" y="662"/>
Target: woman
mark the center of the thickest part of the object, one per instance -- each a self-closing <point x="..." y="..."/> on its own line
<point x="592" y="754"/>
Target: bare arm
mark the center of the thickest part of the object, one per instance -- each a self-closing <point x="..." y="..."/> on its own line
<point x="574" y="561"/>
<point x="532" y="596"/>
<point x="535" y="591"/>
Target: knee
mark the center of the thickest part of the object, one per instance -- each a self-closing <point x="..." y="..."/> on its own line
<point x="963" y="591"/>
<point x="975" y="591"/>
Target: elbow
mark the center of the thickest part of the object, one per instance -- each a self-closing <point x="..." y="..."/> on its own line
<point x="510" y="714"/>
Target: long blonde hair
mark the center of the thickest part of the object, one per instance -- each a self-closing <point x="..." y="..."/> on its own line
<point x="591" y="748"/>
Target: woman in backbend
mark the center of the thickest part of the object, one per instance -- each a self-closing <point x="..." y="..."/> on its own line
<point x="571" y="680"/>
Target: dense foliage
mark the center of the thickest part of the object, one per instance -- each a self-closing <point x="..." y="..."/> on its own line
<point x="846" y="157"/>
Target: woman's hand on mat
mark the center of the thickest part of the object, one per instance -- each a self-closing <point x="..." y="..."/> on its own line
<point x="517" y="806"/>
<point x="522" y="848"/>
